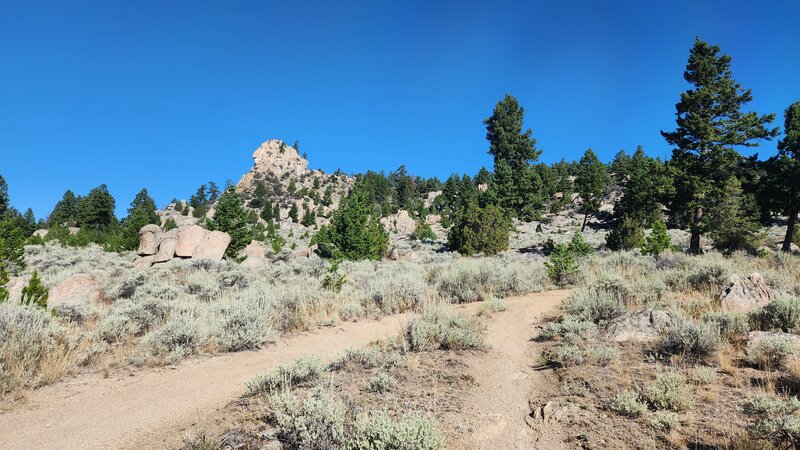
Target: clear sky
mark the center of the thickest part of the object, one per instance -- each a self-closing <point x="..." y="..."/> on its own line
<point x="169" y="94"/>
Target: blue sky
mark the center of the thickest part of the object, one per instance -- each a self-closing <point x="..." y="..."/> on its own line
<point x="169" y="94"/>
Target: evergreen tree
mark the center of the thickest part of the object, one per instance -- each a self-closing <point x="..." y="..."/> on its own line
<point x="354" y="231"/>
<point x="266" y="212"/>
<point x="591" y="182"/>
<point x="29" y="222"/>
<point x="96" y="209"/>
<point x="516" y="186"/>
<point x="213" y="192"/>
<point x="620" y="166"/>
<point x="710" y="123"/>
<point x="293" y="213"/>
<point x="34" y="293"/>
<point x="627" y="234"/>
<point x="732" y="218"/>
<point x="65" y="211"/>
<point x="327" y="196"/>
<point x="782" y="180"/>
<point x="309" y="218"/>
<point x="564" y="187"/>
<point x="141" y="212"/>
<point x="479" y="230"/>
<point x="259" y="196"/>
<point x="483" y="176"/>
<point x="4" y="203"/>
<point x="231" y="217"/>
<point x="658" y="241"/>
<point x="644" y="189"/>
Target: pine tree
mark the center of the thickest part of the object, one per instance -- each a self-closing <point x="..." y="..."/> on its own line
<point x="327" y="196"/>
<point x="141" y="212"/>
<point x="710" y="123"/>
<point x="591" y="183"/>
<point x="259" y="196"/>
<point x="479" y="230"/>
<point x="29" y="222"/>
<point x="658" y="241"/>
<point x="644" y="189"/>
<point x="309" y="218"/>
<point x="517" y="187"/>
<point x="354" y="231"/>
<point x="782" y="175"/>
<point x="96" y="210"/>
<point x="35" y="294"/>
<point x="266" y="212"/>
<point x="231" y="217"/>
<point x="4" y="203"/>
<point x="294" y="212"/>
<point x="732" y="218"/>
<point x="65" y="211"/>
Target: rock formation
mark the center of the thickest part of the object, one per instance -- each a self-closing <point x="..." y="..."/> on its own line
<point x="644" y="325"/>
<point x="77" y="289"/>
<point x="746" y="295"/>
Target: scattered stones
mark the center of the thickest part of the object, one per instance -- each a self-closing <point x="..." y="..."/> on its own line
<point x="77" y="289"/>
<point x="644" y="325"/>
<point x="746" y="295"/>
<point x="213" y="246"/>
<point x="149" y="238"/>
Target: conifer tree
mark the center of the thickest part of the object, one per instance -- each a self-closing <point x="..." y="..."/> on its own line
<point x="65" y="211"/>
<point x="517" y="187"/>
<point x="354" y="231"/>
<point x="259" y="196"/>
<point x="4" y="203"/>
<point x="591" y="182"/>
<point x="34" y="293"/>
<point x="294" y="212"/>
<point x="96" y="209"/>
<point x="141" y="212"/>
<point x="231" y="217"/>
<point x="782" y="175"/>
<point x="266" y="212"/>
<point x="710" y="124"/>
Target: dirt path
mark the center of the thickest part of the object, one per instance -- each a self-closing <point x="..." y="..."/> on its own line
<point x="495" y="414"/>
<point x="149" y="409"/>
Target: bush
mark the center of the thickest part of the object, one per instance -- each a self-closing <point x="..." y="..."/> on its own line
<point x="664" y="421"/>
<point x="566" y="355"/>
<point x="381" y="383"/>
<point x="692" y="339"/>
<point x="302" y="370"/>
<point x="379" y="431"/>
<point x="593" y="305"/>
<point x="578" y="245"/>
<point x="351" y="311"/>
<point x="354" y="232"/>
<point x="669" y="391"/>
<point x="658" y="241"/>
<point x="423" y="232"/>
<point x="179" y="337"/>
<point x="601" y="355"/>
<point x="364" y="358"/>
<point x="774" y="420"/>
<point x="241" y="326"/>
<point x="779" y="315"/>
<point x="730" y="326"/>
<point x="570" y="329"/>
<point x="170" y="224"/>
<point x="562" y="266"/>
<point x="772" y="352"/>
<point x="316" y="424"/>
<point x="480" y="230"/>
<point x="442" y="329"/>
<point x="627" y="403"/>
<point x="35" y="294"/>
<point x="471" y="281"/>
<point x="703" y="375"/>
<point x="626" y="235"/>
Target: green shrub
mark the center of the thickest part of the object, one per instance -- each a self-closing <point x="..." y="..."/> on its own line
<point x="302" y="370"/>
<point x="179" y="337"/>
<point x="703" y="375"/>
<point x="626" y="235"/>
<point x="562" y="266"/>
<point x="627" y="403"/>
<point x="601" y="355"/>
<point x="480" y="230"/>
<point x="669" y="391"/>
<point x="366" y="358"/>
<point x="423" y="232"/>
<point x="772" y="352"/>
<point x="692" y="339"/>
<point x="658" y="241"/>
<point x="35" y="294"/>
<point x="354" y="231"/>
<point x="779" y="315"/>
<point x="566" y="355"/>
<point x="443" y="329"/>
<point x="318" y="423"/>
<point x="170" y="224"/>
<point x="379" y="431"/>
<point x="381" y="383"/>
<point x="570" y="329"/>
<point x="578" y="245"/>
<point x="664" y="421"/>
<point x="593" y="305"/>
<point x="730" y="326"/>
<point x="774" y="420"/>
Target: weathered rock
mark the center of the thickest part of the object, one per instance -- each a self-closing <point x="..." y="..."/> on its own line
<point x="188" y="240"/>
<point x="275" y="157"/>
<point x="77" y="289"/>
<point x="40" y="233"/>
<point x="144" y="262"/>
<point x="213" y="246"/>
<point x="644" y="325"/>
<point x="305" y="252"/>
<point x="746" y="295"/>
<point x="149" y="238"/>
<point x="394" y="254"/>
<point x="256" y="255"/>
<point x="401" y="223"/>
<point x="14" y="287"/>
<point x="73" y="230"/>
<point x="432" y="198"/>
<point x="166" y="249"/>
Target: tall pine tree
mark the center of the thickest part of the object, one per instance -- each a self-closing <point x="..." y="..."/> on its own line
<point x="782" y="180"/>
<point x="710" y="124"/>
<point x="591" y="182"/>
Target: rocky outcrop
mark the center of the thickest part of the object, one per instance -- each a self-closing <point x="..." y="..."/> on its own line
<point x="14" y="287"/>
<point x="746" y="295"/>
<point x="645" y="325"/>
<point x="149" y="238"/>
<point x="274" y="157"/>
<point x="77" y="289"/>
<point x="166" y="248"/>
<point x="256" y="255"/>
<point x="400" y="223"/>
<point x="188" y="239"/>
<point x="40" y="233"/>
<point x="213" y="246"/>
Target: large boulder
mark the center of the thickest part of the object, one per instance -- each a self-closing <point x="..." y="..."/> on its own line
<point x="213" y="246"/>
<point x="144" y="262"/>
<point x="40" y="233"/>
<point x="401" y="223"/>
<point x="256" y="255"/>
<point x="77" y="289"/>
<point x="149" y="238"/>
<point x="746" y="295"/>
<point x="644" y="325"/>
<point x="14" y="287"/>
<point x="166" y="249"/>
<point x="189" y="239"/>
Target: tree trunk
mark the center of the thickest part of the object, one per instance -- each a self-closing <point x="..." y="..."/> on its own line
<point x="585" y="218"/>
<point x="787" y="241"/>
<point x="694" y="241"/>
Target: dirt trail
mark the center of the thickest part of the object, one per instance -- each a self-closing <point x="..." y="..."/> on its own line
<point x="149" y="409"/>
<point x="495" y="414"/>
